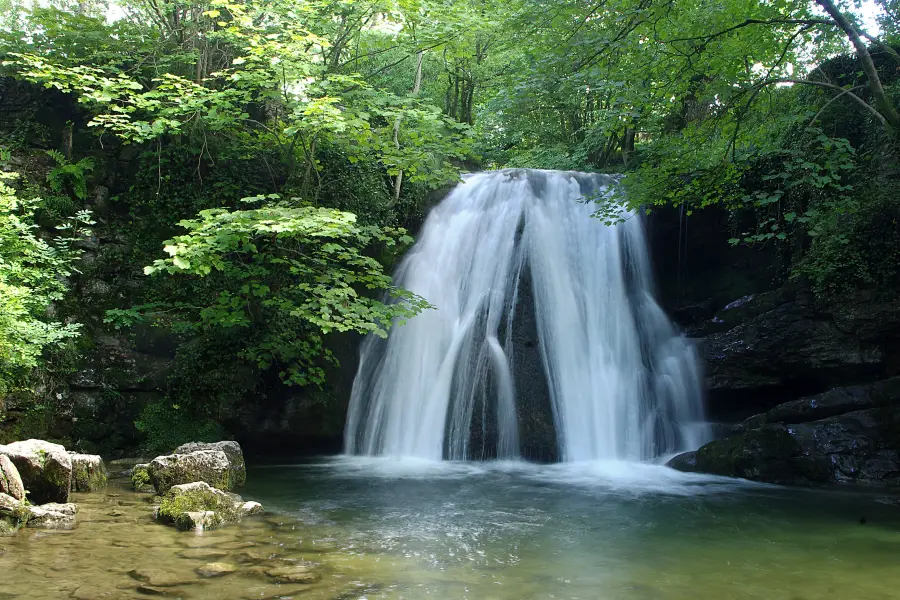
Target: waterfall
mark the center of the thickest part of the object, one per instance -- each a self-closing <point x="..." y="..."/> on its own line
<point x="623" y="384"/>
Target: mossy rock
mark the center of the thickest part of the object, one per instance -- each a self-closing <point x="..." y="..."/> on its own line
<point x="88" y="473"/>
<point x="768" y="454"/>
<point x="140" y="478"/>
<point x="14" y="515"/>
<point x="210" y="466"/>
<point x="186" y="506"/>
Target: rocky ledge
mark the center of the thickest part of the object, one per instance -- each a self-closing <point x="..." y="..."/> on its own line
<point x="845" y="435"/>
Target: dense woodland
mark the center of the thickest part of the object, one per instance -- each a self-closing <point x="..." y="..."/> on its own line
<point x="246" y="174"/>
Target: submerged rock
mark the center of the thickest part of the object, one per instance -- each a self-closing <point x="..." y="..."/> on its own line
<point x="294" y="574"/>
<point x="52" y="516"/>
<point x="216" y="569"/>
<point x="209" y="466"/>
<point x="88" y="472"/>
<point x="231" y="449"/>
<point x="45" y="468"/>
<point x="10" y="480"/>
<point x="251" y="508"/>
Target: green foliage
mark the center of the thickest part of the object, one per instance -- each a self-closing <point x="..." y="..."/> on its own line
<point x="165" y="426"/>
<point x="285" y="275"/>
<point x="67" y="176"/>
<point x="33" y="274"/>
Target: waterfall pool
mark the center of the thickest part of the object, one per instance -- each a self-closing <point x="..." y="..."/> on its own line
<point x="410" y="529"/>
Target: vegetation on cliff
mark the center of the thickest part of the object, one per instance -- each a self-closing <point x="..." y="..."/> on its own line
<point x="259" y="161"/>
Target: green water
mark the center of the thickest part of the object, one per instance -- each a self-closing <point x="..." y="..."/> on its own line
<point x="408" y="530"/>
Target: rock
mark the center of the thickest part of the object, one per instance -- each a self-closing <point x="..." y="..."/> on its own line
<point x="294" y="574"/>
<point x="95" y="592"/>
<point x="127" y="463"/>
<point x="52" y="516"/>
<point x="197" y="506"/>
<point x="210" y="466"/>
<point x="159" y="577"/>
<point x="88" y="472"/>
<point x="251" y="508"/>
<point x="837" y="444"/>
<point x="216" y="569"/>
<point x="779" y="342"/>
<point x="10" y="481"/>
<point x="231" y="449"/>
<point x="140" y="478"/>
<point x="203" y="553"/>
<point x="13" y="514"/>
<point x="45" y="468"/>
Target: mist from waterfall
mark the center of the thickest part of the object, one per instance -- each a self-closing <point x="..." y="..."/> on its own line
<point x="623" y="383"/>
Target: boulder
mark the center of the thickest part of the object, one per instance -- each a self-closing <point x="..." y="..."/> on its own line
<point x="845" y="435"/>
<point x="198" y="506"/>
<point x="216" y="569"/>
<point x="13" y="514"/>
<point x="231" y="449"/>
<point x="210" y="466"/>
<point x="10" y="480"/>
<point x="251" y="508"/>
<point x="46" y="469"/>
<point x="294" y="574"/>
<point x="88" y="472"/>
<point x="52" y="516"/>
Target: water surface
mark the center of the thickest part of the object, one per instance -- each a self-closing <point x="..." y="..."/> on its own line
<point x="404" y="529"/>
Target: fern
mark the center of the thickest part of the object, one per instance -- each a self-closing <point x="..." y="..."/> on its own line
<point x="69" y="175"/>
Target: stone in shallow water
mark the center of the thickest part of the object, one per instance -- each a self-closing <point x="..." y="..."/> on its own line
<point x="88" y="472"/>
<point x="52" y="516"/>
<point x="275" y="591"/>
<point x="209" y="466"/>
<point x="294" y="574"/>
<point x="160" y="578"/>
<point x="231" y="449"/>
<point x="251" y="508"/>
<point x="236" y="545"/>
<point x="203" y="553"/>
<point x="10" y="481"/>
<point x="45" y="468"/>
<point x="216" y="569"/>
<point x="93" y="592"/>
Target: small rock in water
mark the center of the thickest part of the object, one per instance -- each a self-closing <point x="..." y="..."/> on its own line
<point x="237" y="545"/>
<point x="88" y="472"/>
<point x="216" y="569"/>
<point x="203" y="553"/>
<point x="159" y="578"/>
<point x="93" y="592"/>
<point x="294" y="574"/>
<point x="251" y="508"/>
<point x="52" y="516"/>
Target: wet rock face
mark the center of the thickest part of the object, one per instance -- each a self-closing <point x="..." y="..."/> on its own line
<point x="845" y="435"/>
<point x="13" y="514"/>
<point x="52" y="516"/>
<point x="45" y="468"/>
<point x="210" y="466"/>
<point x="766" y="348"/>
<point x="10" y="480"/>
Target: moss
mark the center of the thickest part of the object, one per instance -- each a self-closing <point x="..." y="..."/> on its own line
<point x="199" y="498"/>
<point x="85" y="478"/>
<point x="765" y="454"/>
<point x="140" y="478"/>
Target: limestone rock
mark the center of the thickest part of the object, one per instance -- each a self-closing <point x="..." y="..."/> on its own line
<point x="13" y="514"/>
<point x="197" y="506"/>
<point x="159" y="577"/>
<point x="52" y="516"/>
<point x="216" y="569"/>
<point x="251" y="508"/>
<point x="46" y="469"/>
<point x="231" y="449"/>
<point x="88" y="472"/>
<point x="209" y="466"/>
<point x="294" y="574"/>
<point x="10" y="480"/>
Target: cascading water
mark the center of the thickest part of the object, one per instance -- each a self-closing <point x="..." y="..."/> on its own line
<point x="623" y="384"/>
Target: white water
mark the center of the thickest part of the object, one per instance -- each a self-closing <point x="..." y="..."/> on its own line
<point x="623" y="383"/>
